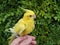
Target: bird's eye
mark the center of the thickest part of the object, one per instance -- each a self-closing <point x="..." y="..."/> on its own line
<point x="30" y="15"/>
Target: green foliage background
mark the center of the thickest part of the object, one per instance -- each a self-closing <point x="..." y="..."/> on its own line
<point x="47" y="30"/>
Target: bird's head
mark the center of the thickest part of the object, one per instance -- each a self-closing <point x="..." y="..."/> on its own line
<point x="29" y="15"/>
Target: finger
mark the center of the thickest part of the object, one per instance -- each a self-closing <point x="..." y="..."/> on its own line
<point x="33" y="42"/>
<point x="33" y="38"/>
<point x="17" y="40"/>
<point x="26" y="41"/>
<point x="30" y="44"/>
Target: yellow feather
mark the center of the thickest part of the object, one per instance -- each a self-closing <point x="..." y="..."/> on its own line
<point x="26" y="24"/>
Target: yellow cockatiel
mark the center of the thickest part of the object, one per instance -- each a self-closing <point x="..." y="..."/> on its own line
<point x="24" y="26"/>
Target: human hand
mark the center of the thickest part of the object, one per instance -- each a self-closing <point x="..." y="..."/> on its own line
<point x="24" y="40"/>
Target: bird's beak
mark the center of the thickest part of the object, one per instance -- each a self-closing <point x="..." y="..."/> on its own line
<point x="34" y="16"/>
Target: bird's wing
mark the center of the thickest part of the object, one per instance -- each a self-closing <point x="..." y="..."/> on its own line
<point x="22" y="28"/>
<point x="18" y="29"/>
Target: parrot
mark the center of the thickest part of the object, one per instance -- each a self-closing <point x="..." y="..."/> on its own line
<point x="24" y="26"/>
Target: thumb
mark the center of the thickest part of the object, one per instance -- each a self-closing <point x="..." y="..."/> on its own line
<point x="17" y="40"/>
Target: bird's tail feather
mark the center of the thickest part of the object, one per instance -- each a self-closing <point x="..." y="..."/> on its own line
<point x="11" y="39"/>
<point x="13" y="36"/>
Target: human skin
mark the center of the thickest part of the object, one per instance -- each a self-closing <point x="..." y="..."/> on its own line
<point x="24" y="40"/>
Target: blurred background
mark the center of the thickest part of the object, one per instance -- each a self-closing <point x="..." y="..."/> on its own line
<point x="47" y="28"/>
